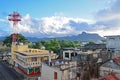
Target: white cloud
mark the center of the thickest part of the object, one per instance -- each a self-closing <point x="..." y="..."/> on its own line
<point x="49" y="26"/>
<point x="2" y="20"/>
<point x="108" y="19"/>
<point x="107" y="23"/>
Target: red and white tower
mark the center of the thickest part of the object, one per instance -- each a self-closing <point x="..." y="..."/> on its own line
<point x="14" y="18"/>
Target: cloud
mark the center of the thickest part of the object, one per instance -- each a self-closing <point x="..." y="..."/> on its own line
<point x="4" y="33"/>
<point x="108" y="19"/>
<point x="2" y="20"/>
<point x="110" y="12"/>
<point x="54" y="26"/>
<point x="107" y="22"/>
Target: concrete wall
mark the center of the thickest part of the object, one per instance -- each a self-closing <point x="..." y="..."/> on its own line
<point x="47" y="72"/>
<point x="113" y="42"/>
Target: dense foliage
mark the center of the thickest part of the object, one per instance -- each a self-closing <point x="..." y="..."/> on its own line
<point x="54" y="44"/>
<point x="20" y="38"/>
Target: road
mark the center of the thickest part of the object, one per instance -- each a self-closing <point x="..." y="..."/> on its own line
<point x="7" y="73"/>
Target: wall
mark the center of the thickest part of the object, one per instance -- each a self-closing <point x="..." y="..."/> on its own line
<point x="113" y="42"/>
<point x="47" y="72"/>
<point x="22" y="48"/>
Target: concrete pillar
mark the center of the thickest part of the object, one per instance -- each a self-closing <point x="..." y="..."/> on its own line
<point x="63" y="54"/>
<point x="69" y="55"/>
<point x="49" y="58"/>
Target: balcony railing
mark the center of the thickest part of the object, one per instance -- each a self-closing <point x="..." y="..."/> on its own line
<point x="28" y="64"/>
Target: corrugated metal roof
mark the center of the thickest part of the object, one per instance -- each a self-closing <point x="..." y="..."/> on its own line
<point x="117" y="60"/>
<point x="111" y="76"/>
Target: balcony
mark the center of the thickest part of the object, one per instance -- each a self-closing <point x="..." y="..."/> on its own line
<point x="28" y="64"/>
<point x="33" y="64"/>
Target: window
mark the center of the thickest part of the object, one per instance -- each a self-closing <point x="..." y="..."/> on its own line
<point x="67" y="54"/>
<point x="55" y="76"/>
<point x="73" y="54"/>
<point x="34" y="58"/>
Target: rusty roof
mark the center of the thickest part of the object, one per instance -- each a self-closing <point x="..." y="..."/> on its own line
<point x="117" y="60"/>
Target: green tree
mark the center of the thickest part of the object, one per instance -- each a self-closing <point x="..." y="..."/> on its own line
<point x="7" y="41"/>
<point x="64" y="44"/>
<point x="71" y="44"/>
<point x="53" y="45"/>
<point x="38" y="45"/>
<point x="91" y="42"/>
<point x="20" y="38"/>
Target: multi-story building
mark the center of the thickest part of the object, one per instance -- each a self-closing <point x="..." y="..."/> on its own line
<point x="68" y="53"/>
<point x="59" y="70"/>
<point x="29" y="60"/>
<point x="113" y="45"/>
<point x="87" y="55"/>
<point x="75" y="65"/>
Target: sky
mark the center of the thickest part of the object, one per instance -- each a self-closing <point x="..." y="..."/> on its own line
<point x="56" y="18"/>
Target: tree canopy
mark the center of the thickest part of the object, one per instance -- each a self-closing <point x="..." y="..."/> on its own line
<point x="8" y="40"/>
<point x="91" y="42"/>
<point x="54" y="44"/>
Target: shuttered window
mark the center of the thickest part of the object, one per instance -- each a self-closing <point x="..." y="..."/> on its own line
<point x="55" y="75"/>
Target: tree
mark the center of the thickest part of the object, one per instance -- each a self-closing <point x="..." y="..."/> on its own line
<point x="53" y="45"/>
<point x="91" y="42"/>
<point x="38" y="45"/>
<point x="20" y="38"/>
<point x="7" y="41"/>
<point x="64" y="44"/>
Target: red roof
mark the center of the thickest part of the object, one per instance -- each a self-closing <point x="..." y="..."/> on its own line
<point x="111" y="77"/>
<point x="117" y="60"/>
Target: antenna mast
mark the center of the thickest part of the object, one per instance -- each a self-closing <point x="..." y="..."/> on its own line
<point x="14" y="18"/>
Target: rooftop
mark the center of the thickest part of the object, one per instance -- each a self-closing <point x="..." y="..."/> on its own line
<point x="29" y="52"/>
<point x="117" y="60"/>
<point x="110" y="76"/>
<point x="61" y="64"/>
<point x="95" y="46"/>
<point x="71" y="48"/>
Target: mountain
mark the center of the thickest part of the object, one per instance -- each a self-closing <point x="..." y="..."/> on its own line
<point x="2" y="38"/>
<point x="81" y="37"/>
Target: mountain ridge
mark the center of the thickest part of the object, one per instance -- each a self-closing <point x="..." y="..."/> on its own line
<point x="80" y="37"/>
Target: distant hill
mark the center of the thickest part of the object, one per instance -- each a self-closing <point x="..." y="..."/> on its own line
<point x="81" y="37"/>
<point x="2" y="38"/>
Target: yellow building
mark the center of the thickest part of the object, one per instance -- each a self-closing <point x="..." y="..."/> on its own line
<point x="29" y="60"/>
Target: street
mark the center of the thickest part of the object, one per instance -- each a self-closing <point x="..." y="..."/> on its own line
<point x="7" y="73"/>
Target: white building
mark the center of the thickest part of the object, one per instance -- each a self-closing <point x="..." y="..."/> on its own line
<point x="113" y="44"/>
<point x="58" y="70"/>
<point x="68" y="53"/>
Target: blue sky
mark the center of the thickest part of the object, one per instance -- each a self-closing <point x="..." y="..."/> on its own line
<point x="43" y="8"/>
<point x="51" y="18"/>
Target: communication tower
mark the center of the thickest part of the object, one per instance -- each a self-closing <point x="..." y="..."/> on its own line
<point x="14" y="18"/>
